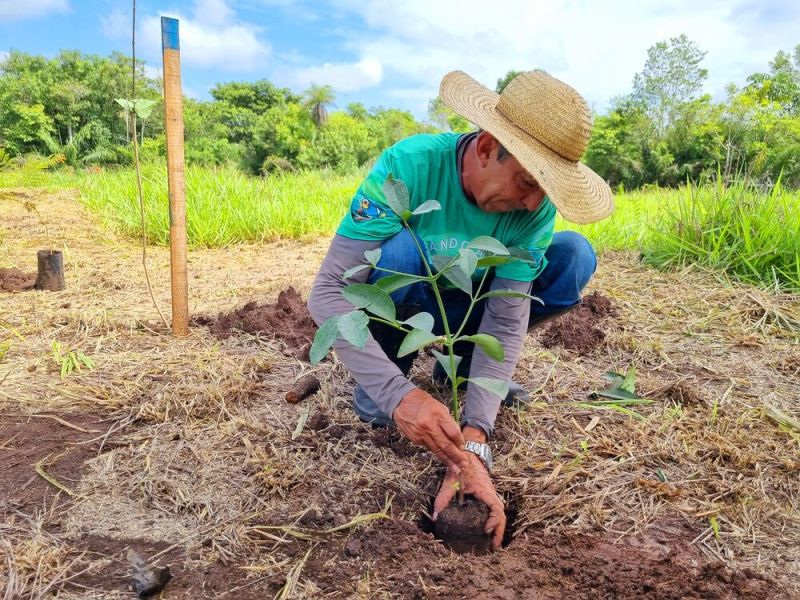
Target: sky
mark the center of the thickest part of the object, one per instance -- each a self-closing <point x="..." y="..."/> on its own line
<point x="393" y="53"/>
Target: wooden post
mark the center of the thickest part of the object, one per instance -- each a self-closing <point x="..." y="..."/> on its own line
<point x="173" y="123"/>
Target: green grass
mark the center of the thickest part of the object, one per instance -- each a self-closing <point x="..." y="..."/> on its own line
<point x="224" y="206"/>
<point x="749" y="235"/>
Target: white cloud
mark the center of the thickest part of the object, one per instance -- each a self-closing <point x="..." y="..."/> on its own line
<point x="14" y="10"/>
<point x="595" y="47"/>
<point x="211" y="38"/>
<point x="3" y="56"/>
<point x="343" y="77"/>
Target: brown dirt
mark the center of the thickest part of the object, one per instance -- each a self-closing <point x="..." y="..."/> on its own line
<point x="578" y="329"/>
<point x="287" y="319"/>
<point x="15" y="280"/>
<point x="543" y="566"/>
<point x="607" y="506"/>
<point x="460" y="527"/>
<point x="62" y="450"/>
<point x="189" y="579"/>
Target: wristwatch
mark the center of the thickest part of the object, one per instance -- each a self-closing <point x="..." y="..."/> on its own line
<point x="482" y="451"/>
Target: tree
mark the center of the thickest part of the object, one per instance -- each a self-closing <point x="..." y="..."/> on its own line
<point x="317" y="98"/>
<point x="671" y="78"/>
<point x="782" y="84"/>
<point x="504" y="81"/>
<point x="443" y="117"/>
<point x="22" y="127"/>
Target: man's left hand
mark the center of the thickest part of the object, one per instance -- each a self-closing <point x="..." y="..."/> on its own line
<point x="477" y="483"/>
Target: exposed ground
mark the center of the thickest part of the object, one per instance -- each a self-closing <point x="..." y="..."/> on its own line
<point x="186" y="451"/>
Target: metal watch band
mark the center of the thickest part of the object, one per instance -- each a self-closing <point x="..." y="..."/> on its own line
<point x="482" y="451"/>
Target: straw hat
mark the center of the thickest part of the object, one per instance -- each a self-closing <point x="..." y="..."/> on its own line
<point x="545" y="125"/>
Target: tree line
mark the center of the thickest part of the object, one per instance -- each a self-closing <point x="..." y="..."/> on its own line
<point x="664" y="131"/>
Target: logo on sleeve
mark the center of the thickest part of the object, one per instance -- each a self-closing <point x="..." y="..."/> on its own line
<point x="364" y="209"/>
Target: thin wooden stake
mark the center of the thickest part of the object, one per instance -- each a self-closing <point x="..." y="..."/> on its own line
<point x="173" y="123"/>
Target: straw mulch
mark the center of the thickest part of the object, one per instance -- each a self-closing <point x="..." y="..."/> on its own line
<point x="200" y="462"/>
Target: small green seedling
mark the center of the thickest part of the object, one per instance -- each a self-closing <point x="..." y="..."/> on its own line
<point x="373" y="302"/>
<point x="69" y="360"/>
<point x="619" y="395"/>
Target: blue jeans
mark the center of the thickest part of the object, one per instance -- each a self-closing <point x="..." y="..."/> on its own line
<point x="571" y="262"/>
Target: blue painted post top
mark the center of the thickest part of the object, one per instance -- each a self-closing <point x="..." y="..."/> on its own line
<point x="169" y="34"/>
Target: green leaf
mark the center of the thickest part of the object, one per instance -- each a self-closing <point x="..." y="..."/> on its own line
<point x="494" y="261"/>
<point x="370" y="297"/>
<point x="508" y="294"/>
<point x="521" y="254"/>
<point x="453" y="275"/>
<point x="488" y="343"/>
<point x="427" y="206"/>
<point x="353" y="328"/>
<point x="629" y="383"/>
<point x="390" y="283"/>
<point x="498" y="387"/>
<point x="488" y="244"/>
<point x="127" y="105"/>
<point x="620" y="396"/>
<point x="373" y="256"/>
<point x="444" y="360"/>
<point x="357" y="269"/>
<point x="468" y="261"/>
<point x="323" y="340"/>
<point x="421" y="320"/>
<point x="441" y="262"/>
<point x="143" y="107"/>
<point x="416" y="339"/>
<point x="396" y="194"/>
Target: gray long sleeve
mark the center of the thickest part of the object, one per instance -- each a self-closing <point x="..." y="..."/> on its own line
<point x="371" y="368"/>
<point x="504" y="318"/>
<point x="507" y="320"/>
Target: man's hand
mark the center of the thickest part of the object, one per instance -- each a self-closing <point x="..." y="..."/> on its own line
<point x="427" y="422"/>
<point x="477" y="483"/>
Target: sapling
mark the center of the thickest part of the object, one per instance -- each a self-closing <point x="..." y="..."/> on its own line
<point x="372" y="302"/>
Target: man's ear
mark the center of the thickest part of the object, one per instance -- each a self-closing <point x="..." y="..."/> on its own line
<point x="485" y="143"/>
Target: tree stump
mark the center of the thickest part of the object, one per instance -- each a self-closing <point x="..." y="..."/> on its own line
<point x="50" y="275"/>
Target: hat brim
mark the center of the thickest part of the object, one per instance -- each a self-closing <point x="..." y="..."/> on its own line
<point x="578" y="193"/>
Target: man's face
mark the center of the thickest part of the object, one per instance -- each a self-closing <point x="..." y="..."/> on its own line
<point x="505" y="186"/>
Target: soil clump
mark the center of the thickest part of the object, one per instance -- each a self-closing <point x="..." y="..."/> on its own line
<point x="542" y="566"/>
<point x="16" y="280"/>
<point x="460" y="527"/>
<point x="287" y="319"/>
<point x="578" y="329"/>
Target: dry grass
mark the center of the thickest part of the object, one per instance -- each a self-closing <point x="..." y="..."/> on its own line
<point x="203" y="456"/>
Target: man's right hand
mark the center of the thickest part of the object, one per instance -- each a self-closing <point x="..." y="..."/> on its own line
<point x="427" y="422"/>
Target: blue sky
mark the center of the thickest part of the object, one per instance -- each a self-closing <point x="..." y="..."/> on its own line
<point x="393" y="53"/>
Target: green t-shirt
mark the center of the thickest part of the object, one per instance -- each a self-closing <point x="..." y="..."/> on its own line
<point x="427" y="165"/>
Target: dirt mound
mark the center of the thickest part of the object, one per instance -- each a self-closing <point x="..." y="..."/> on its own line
<point x="539" y="566"/>
<point x="577" y="330"/>
<point x="15" y="280"/>
<point x="287" y="319"/>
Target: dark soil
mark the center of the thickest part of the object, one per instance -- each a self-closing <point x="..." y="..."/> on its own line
<point x="14" y="280"/>
<point x="579" y="328"/>
<point x="535" y="566"/>
<point x="28" y="440"/>
<point x="206" y="581"/>
<point x="460" y="527"/>
<point x="287" y="319"/>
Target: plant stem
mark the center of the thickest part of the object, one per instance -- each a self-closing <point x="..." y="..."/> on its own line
<point x="455" y="409"/>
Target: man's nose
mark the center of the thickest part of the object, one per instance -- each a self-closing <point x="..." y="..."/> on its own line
<point x="533" y="199"/>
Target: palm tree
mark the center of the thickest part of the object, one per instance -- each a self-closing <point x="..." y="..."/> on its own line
<point x="316" y="99"/>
